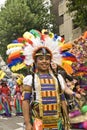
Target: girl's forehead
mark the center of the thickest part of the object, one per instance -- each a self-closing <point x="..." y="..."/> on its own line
<point x="42" y="56"/>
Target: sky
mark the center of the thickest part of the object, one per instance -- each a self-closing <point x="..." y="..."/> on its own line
<point x="2" y="2"/>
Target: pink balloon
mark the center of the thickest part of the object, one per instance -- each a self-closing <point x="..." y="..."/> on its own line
<point x="85" y="125"/>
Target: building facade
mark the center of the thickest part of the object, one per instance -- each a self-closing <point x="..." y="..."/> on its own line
<point x="65" y="24"/>
<point x="55" y="12"/>
<point x="67" y="29"/>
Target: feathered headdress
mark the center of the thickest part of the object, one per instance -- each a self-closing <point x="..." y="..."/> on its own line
<point x="38" y="42"/>
<point x="21" y="52"/>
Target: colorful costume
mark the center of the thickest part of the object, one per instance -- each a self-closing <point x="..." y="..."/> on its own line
<point x="2" y="110"/>
<point x="46" y="104"/>
<point x="45" y="88"/>
<point x="17" y="100"/>
<point x="79" y="116"/>
<point x="6" y="98"/>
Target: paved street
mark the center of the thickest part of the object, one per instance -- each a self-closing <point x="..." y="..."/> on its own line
<point x="12" y="123"/>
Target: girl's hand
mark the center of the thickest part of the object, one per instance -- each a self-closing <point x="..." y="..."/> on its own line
<point x="29" y="126"/>
<point x="77" y="95"/>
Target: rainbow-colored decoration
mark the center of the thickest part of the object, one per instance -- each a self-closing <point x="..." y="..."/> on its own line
<point x="15" y="49"/>
<point x="15" y="58"/>
<point x="80" y="51"/>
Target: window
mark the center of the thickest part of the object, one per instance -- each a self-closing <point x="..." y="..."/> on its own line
<point x="74" y="25"/>
<point x="61" y="19"/>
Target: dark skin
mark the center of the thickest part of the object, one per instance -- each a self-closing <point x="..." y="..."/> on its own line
<point x="43" y="63"/>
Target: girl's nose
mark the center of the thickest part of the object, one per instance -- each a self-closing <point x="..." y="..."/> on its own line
<point x="44" y="59"/>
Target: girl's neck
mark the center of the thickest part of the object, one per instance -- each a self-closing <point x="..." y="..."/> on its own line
<point x="43" y="72"/>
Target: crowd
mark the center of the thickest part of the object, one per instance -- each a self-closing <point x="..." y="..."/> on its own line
<point x="10" y="98"/>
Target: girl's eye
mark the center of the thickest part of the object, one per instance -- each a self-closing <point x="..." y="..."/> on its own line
<point x="40" y="58"/>
<point x="47" y="58"/>
<point x="44" y="57"/>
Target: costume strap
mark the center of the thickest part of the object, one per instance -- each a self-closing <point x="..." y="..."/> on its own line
<point x="33" y="85"/>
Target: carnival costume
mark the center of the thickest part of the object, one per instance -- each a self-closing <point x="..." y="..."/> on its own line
<point x="2" y="110"/>
<point x="45" y="102"/>
<point x="17" y="99"/>
<point x="21" y="54"/>
<point x="6" y="98"/>
<point x="78" y="117"/>
<point x="16" y="56"/>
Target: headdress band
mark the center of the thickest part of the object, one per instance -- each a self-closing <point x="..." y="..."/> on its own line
<point x="42" y="51"/>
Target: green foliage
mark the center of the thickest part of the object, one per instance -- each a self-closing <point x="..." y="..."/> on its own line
<point x="78" y="10"/>
<point x="18" y="16"/>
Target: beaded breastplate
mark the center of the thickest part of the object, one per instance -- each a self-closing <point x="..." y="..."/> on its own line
<point x="48" y="108"/>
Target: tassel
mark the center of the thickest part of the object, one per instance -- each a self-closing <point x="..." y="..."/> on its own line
<point x="37" y="124"/>
<point x="60" y="127"/>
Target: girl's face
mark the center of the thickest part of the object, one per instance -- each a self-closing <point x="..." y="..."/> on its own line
<point x="43" y="63"/>
<point x="54" y="66"/>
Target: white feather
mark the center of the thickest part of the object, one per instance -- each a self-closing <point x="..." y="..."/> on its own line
<point x="11" y="50"/>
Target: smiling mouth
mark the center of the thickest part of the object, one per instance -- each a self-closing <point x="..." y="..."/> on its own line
<point x="44" y="65"/>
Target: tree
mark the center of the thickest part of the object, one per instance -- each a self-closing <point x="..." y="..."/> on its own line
<point x="18" y="16"/>
<point x="78" y="10"/>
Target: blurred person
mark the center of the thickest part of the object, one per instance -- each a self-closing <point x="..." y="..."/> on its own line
<point x="17" y="93"/>
<point x="56" y="69"/>
<point x="6" y="98"/>
<point x="2" y="110"/>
